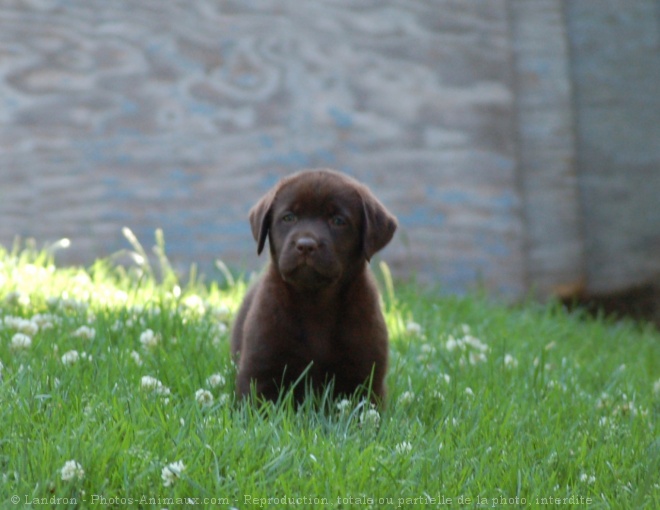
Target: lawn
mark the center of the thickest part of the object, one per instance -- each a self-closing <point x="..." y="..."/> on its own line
<point x="116" y="391"/>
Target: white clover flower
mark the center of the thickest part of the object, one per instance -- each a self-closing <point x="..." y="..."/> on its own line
<point x="176" y="291"/>
<point x="12" y="297"/>
<point x="72" y="470"/>
<point x="218" y="332"/>
<point x="406" y="398"/>
<point x="223" y="398"/>
<point x="45" y="320"/>
<point x="21" y="341"/>
<point x="403" y="448"/>
<point x="221" y="312"/>
<point x="589" y="479"/>
<point x="475" y="343"/>
<point x="73" y="304"/>
<point x="135" y="356"/>
<point x="469" y="392"/>
<point x="172" y="472"/>
<point x="10" y="322"/>
<point x="343" y="406"/>
<point x="370" y="418"/>
<point x="195" y="302"/>
<point x="216" y="380"/>
<point x="17" y="298"/>
<point x="151" y="383"/>
<point x="412" y="328"/>
<point x="25" y="326"/>
<point x="477" y="357"/>
<point x="451" y="344"/>
<point x="427" y="349"/>
<point x="149" y="339"/>
<point x="510" y="361"/>
<point x="220" y="328"/>
<point x="28" y="327"/>
<point x="69" y="358"/>
<point x="85" y="332"/>
<point x="204" y="398"/>
<point x="148" y="382"/>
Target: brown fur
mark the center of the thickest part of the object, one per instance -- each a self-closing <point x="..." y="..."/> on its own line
<point x="316" y="308"/>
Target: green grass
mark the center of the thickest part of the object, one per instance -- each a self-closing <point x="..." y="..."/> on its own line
<point x="489" y="407"/>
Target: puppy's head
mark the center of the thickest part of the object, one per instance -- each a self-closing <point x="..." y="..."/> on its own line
<point x="321" y="226"/>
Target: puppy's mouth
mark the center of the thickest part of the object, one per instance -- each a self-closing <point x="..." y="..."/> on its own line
<point x="307" y="273"/>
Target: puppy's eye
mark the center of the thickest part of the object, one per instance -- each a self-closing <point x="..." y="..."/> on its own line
<point x="338" y="221"/>
<point x="289" y="218"/>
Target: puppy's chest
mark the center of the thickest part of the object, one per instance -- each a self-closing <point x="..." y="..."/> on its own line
<point x="322" y="342"/>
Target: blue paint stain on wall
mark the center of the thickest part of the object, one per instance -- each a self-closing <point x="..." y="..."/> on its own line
<point x="502" y="162"/>
<point x="129" y="107"/>
<point x="458" y="275"/>
<point x="270" y="180"/>
<point x="247" y="80"/>
<point x="422" y="215"/>
<point x="493" y="246"/>
<point x="237" y="228"/>
<point x="118" y="216"/>
<point x="325" y="157"/>
<point x="266" y="141"/>
<point x="202" y="109"/>
<point x="450" y="197"/>
<point x="342" y="119"/>
<point x="505" y="201"/>
<point x="183" y="177"/>
<point x="293" y="159"/>
<point x="124" y="159"/>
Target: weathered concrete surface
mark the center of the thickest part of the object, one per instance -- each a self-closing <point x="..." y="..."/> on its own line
<point x="546" y="136"/>
<point x="463" y="116"/>
<point x="616" y="70"/>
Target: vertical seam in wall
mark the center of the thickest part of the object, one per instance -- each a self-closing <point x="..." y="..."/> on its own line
<point x="657" y="18"/>
<point x="577" y="144"/>
<point x="517" y="141"/>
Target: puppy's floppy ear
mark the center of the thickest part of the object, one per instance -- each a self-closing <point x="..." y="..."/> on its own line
<point x="260" y="216"/>
<point x="378" y="226"/>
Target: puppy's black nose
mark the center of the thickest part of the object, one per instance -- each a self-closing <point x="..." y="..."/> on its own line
<point x="306" y="245"/>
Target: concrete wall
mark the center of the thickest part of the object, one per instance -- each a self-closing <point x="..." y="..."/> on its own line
<point x="502" y="133"/>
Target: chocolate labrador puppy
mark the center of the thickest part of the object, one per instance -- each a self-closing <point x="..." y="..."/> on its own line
<point x="314" y="316"/>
